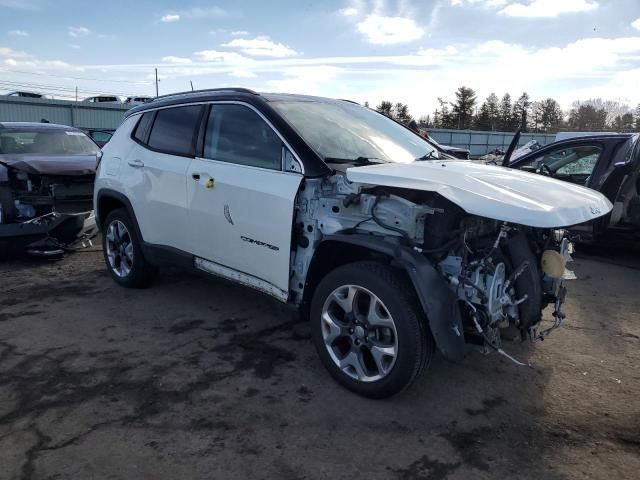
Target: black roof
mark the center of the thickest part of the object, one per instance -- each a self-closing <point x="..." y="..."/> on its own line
<point x="240" y="94"/>
<point x="603" y="135"/>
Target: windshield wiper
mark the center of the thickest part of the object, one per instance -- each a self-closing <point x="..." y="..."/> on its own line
<point x="357" y="161"/>
<point x="427" y="156"/>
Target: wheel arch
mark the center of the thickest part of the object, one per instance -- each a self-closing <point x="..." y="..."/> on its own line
<point x="437" y="300"/>
<point x="108" y="200"/>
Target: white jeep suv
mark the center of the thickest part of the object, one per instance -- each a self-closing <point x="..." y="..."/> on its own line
<point x="391" y="248"/>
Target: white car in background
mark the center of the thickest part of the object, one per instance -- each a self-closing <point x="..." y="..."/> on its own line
<point x="389" y="250"/>
<point x="103" y="99"/>
<point x="137" y="100"/>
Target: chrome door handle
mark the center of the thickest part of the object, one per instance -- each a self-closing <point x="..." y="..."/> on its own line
<point x="136" y="163"/>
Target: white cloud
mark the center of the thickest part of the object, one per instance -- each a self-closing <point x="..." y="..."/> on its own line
<point x="196" y="13"/>
<point x="636" y="24"/>
<point x="19" y="4"/>
<point x="18" y="33"/>
<point x="232" y="58"/>
<point x="261" y="47"/>
<point x="548" y="8"/>
<point x="242" y="73"/>
<point x="170" y="17"/>
<point x="78" y="31"/>
<point x="75" y="46"/>
<point x="381" y="30"/>
<point x="239" y="33"/>
<point x="176" y="60"/>
<point x="348" y="12"/>
<point x="484" y="3"/>
<point x="9" y="52"/>
<point x="309" y="80"/>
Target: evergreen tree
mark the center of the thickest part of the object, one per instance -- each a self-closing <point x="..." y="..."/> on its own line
<point x="504" y="116"/>
<point x="400" y="112"/>
<point x="463" y="107"/>
<point x="493" y="111"/>
<point x="482" y="121"/>
<point x="588" y="118"/>
<point x="385" y="108"/>
<point x="521" y="110"/>
<point x="550" y="114"/>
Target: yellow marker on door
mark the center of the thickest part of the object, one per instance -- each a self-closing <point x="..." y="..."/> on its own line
<point x="210" y="183"/>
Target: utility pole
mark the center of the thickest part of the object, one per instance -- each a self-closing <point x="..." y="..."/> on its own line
<point x="76" y="93"/>
<point x="156" y="82"/>
<point x="191" y="82"/>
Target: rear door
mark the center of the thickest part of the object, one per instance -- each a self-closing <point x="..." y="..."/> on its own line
<point x="155" y="173"/>
<point x="241" y="201"/>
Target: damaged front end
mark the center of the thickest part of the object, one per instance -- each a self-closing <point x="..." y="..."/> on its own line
<point x="45" y="205"/>
<point x="478" y="279"/>
<point x="504" y="279"/>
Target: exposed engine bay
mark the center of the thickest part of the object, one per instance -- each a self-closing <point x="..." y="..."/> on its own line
<point x="500" y="274"/>
<point x="44" y="214"/>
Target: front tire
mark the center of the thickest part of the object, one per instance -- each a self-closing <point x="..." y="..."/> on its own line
<point x="369" y="329"/>
<point x="122" y="250"/>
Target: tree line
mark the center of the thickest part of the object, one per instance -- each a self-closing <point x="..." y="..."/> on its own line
<point x="507" y="114"/>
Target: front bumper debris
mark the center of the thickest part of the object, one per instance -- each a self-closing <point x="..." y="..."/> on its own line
<point x="48" y="235"/>
<point x="558" y="316"/>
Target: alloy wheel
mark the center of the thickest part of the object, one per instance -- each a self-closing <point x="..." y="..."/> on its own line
<point x="119" y="248"/>
<point x="359" y="333"/>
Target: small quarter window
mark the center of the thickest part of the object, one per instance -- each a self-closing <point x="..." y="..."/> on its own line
<point x="237" y="134"/>
<point x="142" y="129"/>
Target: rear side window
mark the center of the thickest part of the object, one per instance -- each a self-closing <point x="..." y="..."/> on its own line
<point x="142" y="129"/>
<point x="237" y="134"/>
<point x="174" y="130"/>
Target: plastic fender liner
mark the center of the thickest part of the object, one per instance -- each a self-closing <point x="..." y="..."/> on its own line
<point x="529" y="283"/>
<point x="437" y="300"/>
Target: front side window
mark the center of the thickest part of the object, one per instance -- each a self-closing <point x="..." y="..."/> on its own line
<point x="342" y="130"/>
<point x="574" y="164"/>
<point x="174" y="130"/>
<point x="237" y="134"/>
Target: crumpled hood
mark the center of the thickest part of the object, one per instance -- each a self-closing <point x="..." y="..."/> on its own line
<point x="492" y="192"/>
<point x="71" y="165"/>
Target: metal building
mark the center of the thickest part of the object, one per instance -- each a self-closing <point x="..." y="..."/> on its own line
<point x="76" y="114"/>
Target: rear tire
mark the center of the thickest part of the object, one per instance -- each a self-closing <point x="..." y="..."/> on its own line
<point x="122" y="251"/>
<point x="369" y="329"/>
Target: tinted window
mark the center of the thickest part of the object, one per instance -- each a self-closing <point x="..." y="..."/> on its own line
<point x="237" y="134"/>
<point x="174" y="130"/>
<point x="143" y="127"/>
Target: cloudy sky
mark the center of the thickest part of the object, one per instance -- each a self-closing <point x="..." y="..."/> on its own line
<point x="411" y="51"/>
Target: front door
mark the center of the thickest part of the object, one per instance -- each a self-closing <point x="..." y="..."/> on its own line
<point x="241" y="201"/>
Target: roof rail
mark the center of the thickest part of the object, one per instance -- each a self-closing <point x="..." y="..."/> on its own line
<point x="224" y="89"/>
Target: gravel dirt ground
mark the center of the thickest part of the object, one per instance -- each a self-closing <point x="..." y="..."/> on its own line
<point x="197" y="379"/>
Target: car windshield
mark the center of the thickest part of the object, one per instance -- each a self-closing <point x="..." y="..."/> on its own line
<point x="339" y="130"/>
<point x="45" y="142"/>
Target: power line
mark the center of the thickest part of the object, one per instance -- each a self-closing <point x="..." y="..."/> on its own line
<point x="58" y="88"/>
<point x="74" y="78"/>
